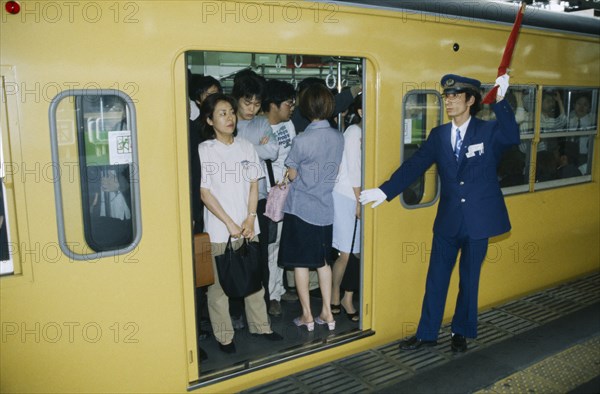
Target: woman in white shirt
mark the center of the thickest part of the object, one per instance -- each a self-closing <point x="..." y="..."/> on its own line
<point x="553" y="116"/>
<point x="229" y="189"/>
<point x="346" y="212"/>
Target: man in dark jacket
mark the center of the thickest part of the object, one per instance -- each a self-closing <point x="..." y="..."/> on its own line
<point x="471" y="207"/>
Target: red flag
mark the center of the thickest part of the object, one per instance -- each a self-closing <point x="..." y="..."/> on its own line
<point x="508" y="51"/>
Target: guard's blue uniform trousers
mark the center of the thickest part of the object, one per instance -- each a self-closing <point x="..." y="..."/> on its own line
<point x="443" y="257"/>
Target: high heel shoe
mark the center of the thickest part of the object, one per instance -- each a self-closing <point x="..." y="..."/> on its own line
<point x="321" y="322"/>
<point x="353" y="317"/>
<point x="310" y="326"/>
<point x="336" y="309"/>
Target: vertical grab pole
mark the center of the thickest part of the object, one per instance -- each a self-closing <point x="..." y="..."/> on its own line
<point x="340" y="117"/>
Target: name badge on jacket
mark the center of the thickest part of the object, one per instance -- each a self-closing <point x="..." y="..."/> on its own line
<point x="474" y="149"/>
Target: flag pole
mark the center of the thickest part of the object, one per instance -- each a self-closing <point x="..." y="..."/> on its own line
<point x="508" y="52"/>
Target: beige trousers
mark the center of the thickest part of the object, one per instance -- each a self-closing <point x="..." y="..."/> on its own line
<point x="218" y="304"/>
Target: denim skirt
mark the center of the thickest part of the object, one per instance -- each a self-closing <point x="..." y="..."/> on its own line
<point x="303" y="244"/>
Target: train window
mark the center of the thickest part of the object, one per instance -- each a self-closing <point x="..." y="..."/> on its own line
<point x="95" y="173"/>
<point x="568" y="125"/>
<point x="421" y="113"/>
<point x="513" y="169"/>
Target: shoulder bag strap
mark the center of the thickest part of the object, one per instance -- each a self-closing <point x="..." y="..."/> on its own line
<point x="270" y="171"/>
<point x="354" y="234"/>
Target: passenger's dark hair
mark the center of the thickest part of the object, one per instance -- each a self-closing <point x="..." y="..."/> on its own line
<point x="206" y="112"/>
<point x="316" y="102"/>
<point x="306" y="82"/>
<point x="580" y="95"/>
<point x="545" y="169"/>
<point x="245" y="73"/>
<point x="277" y="92"/>
<point x="247" y="84"/>
<point x="353" y="116"/>
<point x="550" y="93"/>
<point x="203" y="83"/>
<point x="192" y="80"/>
<point x="569" y="149"/>
<point x="476" y="107"/>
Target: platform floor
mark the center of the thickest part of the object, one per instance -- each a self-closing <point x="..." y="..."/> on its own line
<point x="546" y="342"/>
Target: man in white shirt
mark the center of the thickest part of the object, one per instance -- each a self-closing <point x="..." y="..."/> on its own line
<point x="278" y="107"/>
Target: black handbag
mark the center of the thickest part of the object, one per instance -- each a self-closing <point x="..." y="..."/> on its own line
<point x="239" y="270"/>
<point x="351" y="279"/>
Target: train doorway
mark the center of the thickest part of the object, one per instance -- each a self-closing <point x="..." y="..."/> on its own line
<point x="209" y="72"/>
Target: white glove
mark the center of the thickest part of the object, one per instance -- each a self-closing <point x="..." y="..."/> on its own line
<point x="502" y="83"/>
<point x="372" y="195"/>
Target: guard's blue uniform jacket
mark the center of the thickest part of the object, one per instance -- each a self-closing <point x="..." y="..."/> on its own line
<point x="470" y="192"/>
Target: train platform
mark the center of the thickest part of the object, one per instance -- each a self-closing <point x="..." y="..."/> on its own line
<point x="546" y="342"/>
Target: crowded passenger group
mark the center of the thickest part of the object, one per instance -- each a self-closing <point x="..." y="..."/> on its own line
<point x="263" y="134"/>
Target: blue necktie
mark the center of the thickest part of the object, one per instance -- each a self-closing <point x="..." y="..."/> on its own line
<point x="457" y="144"/>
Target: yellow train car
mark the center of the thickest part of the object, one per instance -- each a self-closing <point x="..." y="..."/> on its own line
<point x="97" y="288"/>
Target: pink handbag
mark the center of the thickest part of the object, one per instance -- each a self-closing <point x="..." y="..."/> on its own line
<point x="276" y="200"/>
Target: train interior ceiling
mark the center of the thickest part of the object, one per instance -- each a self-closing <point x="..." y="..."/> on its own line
<point x="251" y="353"/>
<point x="290" y="68"/>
